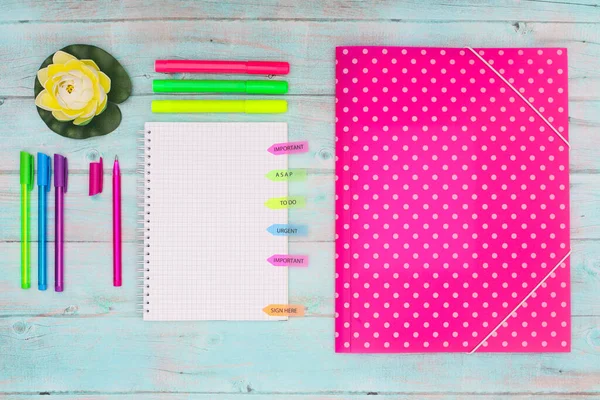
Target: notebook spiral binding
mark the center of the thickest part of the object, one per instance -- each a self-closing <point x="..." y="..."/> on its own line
<point x="143" y="227"/>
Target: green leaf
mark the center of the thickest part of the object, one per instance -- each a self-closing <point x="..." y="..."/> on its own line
<point x="100" y="125"/>
<point x="120" y="90"/>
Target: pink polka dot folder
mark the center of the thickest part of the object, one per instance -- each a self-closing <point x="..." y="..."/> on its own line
<point x="452" y="200"/>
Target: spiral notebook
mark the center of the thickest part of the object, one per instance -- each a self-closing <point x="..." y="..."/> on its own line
<point x="206" y="242"/>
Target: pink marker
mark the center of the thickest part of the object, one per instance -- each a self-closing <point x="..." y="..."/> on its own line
<point x="222" y="67"/>
<point x="116" y="197"/>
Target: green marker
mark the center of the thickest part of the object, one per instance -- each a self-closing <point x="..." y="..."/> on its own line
<point x="198" y="86"/>
<point x="277" y="203"/>
<point x="291" y="175"/>
<point x="26" y="179"/>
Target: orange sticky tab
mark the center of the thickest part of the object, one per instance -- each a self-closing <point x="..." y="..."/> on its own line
<point x="284" y="310"/>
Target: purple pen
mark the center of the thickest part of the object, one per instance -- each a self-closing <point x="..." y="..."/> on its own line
<point x="60" y="184"/>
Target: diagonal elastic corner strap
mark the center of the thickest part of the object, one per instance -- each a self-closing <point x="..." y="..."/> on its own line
<point x="520" y="95"/>
<point x="521" y="303"/>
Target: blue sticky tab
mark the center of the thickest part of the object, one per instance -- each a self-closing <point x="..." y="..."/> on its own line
<point x="288" y="230"/>
<point x="43" y="172"/>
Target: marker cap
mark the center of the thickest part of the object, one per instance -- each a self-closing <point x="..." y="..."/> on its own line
<point x="96" y="178"/>
<point x="265" y="106"/>
<point x="267" y="67"/>
<point x="43" y="171"/>
<point x="61" y="172"/>
<point x="27" y="166"/>
<point x="266" y="87"/>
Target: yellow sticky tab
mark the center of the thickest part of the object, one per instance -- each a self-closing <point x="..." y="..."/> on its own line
<point x="284" y="310"/>
<point x="277" y="203"/>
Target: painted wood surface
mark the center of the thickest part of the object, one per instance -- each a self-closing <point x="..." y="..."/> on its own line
<point x="89" y="342"/>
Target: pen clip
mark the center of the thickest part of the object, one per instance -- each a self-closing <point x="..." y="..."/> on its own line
<point x="31" y="174"/>
<point x="66" y="174"/>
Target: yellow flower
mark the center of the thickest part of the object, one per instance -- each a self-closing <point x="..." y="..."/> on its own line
<point x="74" y="90"/>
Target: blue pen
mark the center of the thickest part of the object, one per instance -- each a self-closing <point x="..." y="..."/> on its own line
<point x="43" y="181"/>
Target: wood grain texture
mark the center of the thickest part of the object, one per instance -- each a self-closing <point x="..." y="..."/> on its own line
<point x="294" y="396"/>
<point x="307" y="45"/>
<point x="89" y="342"/>
<point x="87" y="216"/>
<point x="308" y="117"/>
<point x="126" y="354"/>
<point x="463" y="10"/>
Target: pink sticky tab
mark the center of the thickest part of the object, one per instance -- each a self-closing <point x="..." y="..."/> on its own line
<point x="284" y="260"/>
<point x="288" y="148"/>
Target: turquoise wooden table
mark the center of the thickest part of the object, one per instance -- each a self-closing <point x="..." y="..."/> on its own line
<point x="89" y="342"/>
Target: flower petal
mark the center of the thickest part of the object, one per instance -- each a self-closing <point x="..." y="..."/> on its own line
<point x="60" y="57"/>
<point x="45" y="101"/>
<point x="42" y="75"/>
<point x="102" y="105"/>
<point x="77" y="73"/>
<point x="59" y="115"/>
<point x="54" y="69"/>
<point x="82" y="121"/>
<point x="104" y="81"/>
<point x="100" y="94"/>
<point x="91" y="63"/>
<point x="90" y="72"/>
<point x="73" y="64"/>
<point x="89" y="110"/>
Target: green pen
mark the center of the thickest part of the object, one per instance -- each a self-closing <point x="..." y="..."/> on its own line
<point x="27" y="167"/>
<point x="199" y="86"/>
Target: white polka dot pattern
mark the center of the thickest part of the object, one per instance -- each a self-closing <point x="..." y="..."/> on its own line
<point x="452" y="200"/>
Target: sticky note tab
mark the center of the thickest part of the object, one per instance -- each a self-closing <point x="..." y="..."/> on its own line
<point x="288" y="148"/>
<point x="284" y="260"/>
<point x="280" y="175"/>
<point x="288" y="230"/>
<point x="284" y="310"/>
<point x="286" y="202"/>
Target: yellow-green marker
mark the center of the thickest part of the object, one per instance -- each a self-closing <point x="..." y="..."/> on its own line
<point x="220" y="106"/>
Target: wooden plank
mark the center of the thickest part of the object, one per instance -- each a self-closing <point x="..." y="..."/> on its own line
<point x="65" y="355"/>
<point x="293" y="396"/>
<point x="307" y="45"/>
<point x="63" y="10"/>
<point x="309" y="118"/>
<point x="89" y="291"/>
<point x="89" y="219"/>
<point x="90" y="294"/>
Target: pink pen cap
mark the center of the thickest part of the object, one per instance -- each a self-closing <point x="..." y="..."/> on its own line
<point x="96" y="177"/>
<point x="222" y="67"/>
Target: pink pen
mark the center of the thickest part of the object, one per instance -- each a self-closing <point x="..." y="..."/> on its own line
<point x="222" y="67"/>
<point x="116" y="186"/>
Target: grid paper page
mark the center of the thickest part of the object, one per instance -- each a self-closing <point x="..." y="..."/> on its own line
<point x="206" y="220"/>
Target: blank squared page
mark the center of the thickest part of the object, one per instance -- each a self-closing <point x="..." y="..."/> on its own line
<point x="206" y="242"/>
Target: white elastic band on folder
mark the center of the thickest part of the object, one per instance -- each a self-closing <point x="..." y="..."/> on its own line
<point x="521" y="303"/>
<point x="521" y="96"/>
